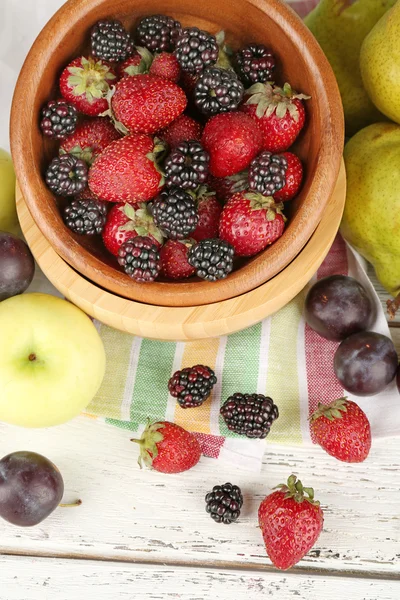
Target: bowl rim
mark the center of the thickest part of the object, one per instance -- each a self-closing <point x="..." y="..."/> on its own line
<point x="190" y="293"/>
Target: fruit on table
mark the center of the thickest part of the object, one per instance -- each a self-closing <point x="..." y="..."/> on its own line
<point x="379" y="63"/>
<point x="371" y="219"/>
<point x="17" y="266"/>
<point x="293" y="178"/>
<point x="140" y="258"/>
<point x="90" y="139"/>
<point x="31" y="488"/>
<point x="166" y="66"/>
<point x="192" y="385"/>
<point x="196" y="49"/>
<point x="52" y="360"/>
<point x="217" y="91"/>
<point x="174" y="259"/>
<point x="8" y="212"/>
<point x="343" y="430"/>
<point x="267" y="173"/>
<point x="338" y="306"/>
<point x="212" y="259"/>
<point x="139" y="62"/>
<point x="183" y="129"/>
<point x="209" y="211"/>
<point x="365" y="363"/>
<point x="224" y="502"/>
<point x="340" y="27"/>
<point x="254" y="64"/>
<point x="59" y="119"/>
<point x="251" y="415"/>
<point x="85" y="216"/>
<point x="111" y="42"/>
<point x="158" y="33"/>
<point x="187" y="165"/>
<point x="291" y="522"/>
<point x="175" y="213"/>
<point x="67" y="175"/>
<point x="168" y="448"/>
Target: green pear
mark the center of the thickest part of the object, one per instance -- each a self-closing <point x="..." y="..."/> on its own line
<point x="371" y="219"/>
<point x="340" y="27"/>
<point x="380" y="64"/>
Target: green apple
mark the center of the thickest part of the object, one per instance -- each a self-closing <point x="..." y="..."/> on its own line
<point x="52" y="360"/>
<point x="8" y="212"/>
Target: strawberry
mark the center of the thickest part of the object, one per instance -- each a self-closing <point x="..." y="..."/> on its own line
<point x="127" y="171"/>
<point x="232" y="139"/>
<point x="174" y="259"/>
<point x="209" y="211"/>
<point x="168" y="448"/>
<point x="279" y="112"/>
<point x="183" y="129"/>
<point x="90" y="138"/>
<point x="85" y="83"/>
<point x="166" y="65"/>
<point x="136" y="64"/>
<point x="294" y="178"/>
<point x="343" y="430"/>
<point x="250" y="222"/>
<point x="225" y="187"/>
<point x="290" y="523"/>
<point x="146" y="103"/>
<point x="125" y="221"/>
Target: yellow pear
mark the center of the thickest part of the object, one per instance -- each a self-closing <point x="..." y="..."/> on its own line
<point x="340" y="27"/>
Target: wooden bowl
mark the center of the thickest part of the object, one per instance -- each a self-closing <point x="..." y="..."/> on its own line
<point x="191" y="322"/>
<point x="300" y="61"/>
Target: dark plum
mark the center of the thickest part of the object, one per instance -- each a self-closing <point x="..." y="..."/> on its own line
<point x="338" y="306"/>
<point x="398" y="378"/>
<point x="31" y="487"/>
<point x="17" y="266"/>
<point x="365" y="363"/>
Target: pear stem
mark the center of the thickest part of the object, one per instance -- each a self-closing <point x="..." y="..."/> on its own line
<point x="393" y="306"/>
<point x="71" y="505"/>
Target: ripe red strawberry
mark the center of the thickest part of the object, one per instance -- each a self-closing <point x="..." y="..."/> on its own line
<point x="127" y="171"/>
<point x="136" y="64"/>
<point x="125" y="221"/>
<point x="225" y="187"/>
<point x="183" y="129"/>
<point x="290" y="523"/>
<point x="174" y="262"/>
<point x="279" y="112"/>
<point x="232" y="139"/>
<point x="209" y="211"/>
<point x="90" y="138"/>
<point x="250" y="222"/>
<point x="294" y="178"/>
<point x="85" y="83"/>
<point x="343" y="430"/>
<point x="166" y="65"/>
<point x="168" y="448"/>
<point x="146" y="103"/>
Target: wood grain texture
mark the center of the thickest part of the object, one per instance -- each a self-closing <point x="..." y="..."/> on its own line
<point x="169" y="323"/>
<point x="300" y="61"/>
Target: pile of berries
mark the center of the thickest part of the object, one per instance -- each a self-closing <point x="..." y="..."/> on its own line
<point x="167" y="135"/>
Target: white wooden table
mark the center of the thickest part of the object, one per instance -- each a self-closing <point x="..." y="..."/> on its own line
<point x="139" y="534"/>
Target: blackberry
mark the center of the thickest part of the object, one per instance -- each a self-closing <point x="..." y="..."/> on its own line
<point x="140" y="259"/>
<point x="196" y="50"/>
<point x="218" y="91"/>
<point x="85" y="216"/>
<point x="255" y="64"/>
<point x="111" y="42"/>
<point x="187" y="165"/>
<point x="59" y="119"/>
<point x="158" y="33"/>
<point x="192" y="386"/>
<point x="67" y="175"/>
<point x="224" y="503"/>
<point x="175" y="213"/>
<point x="212" y="259"/>
<point x="267" y="173"/>
<point x="249" y="414"/>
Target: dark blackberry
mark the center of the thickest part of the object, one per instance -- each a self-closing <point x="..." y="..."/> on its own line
<point x="158" y="33"/>
<point x="192" y="386"/>
<point x="212" y="259"/>
<point x="59" y="119"/>
<point x="249" y="414"/>
<point x="67" y="175"/>
<point x="110" y="41"/>
<point x="140" y="259"/>
<point x="218" y="91"/>
<point x="187" y="165"/>
<point x="224" y="503"/>
<point x="267" y="173"/>
<point x="175" y="213"/>
<point x="85" y="216"/>
<point x="196" y="50"/>
<point x="255" y="64"/>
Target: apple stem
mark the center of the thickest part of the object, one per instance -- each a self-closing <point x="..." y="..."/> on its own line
<point x="71" y="505"/>
<point x="32" y="357"/>
<point x="393" y="306"/>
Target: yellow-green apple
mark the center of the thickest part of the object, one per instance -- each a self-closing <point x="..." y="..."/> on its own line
<point x="52" y="360"/>
<point x="8" y="213"/>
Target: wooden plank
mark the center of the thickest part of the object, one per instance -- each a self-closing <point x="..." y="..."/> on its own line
<point x="24" y="578"/>
<point x="133" y="515"/>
